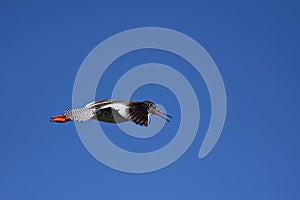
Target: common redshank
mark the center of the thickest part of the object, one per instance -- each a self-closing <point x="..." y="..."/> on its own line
<point x="113" y="111"/>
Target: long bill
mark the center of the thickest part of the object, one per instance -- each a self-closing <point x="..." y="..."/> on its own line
<point x="162" y="115"/>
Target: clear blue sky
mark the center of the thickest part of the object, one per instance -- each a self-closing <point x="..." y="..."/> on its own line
<point x="256" y="47"/>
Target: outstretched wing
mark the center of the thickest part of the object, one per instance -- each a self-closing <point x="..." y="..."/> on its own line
<point x="138" y="113"/>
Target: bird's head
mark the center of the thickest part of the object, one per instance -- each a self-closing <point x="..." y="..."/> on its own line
<point x="153" y="110"/>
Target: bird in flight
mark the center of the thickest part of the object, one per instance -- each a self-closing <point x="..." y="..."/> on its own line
<point x="113" y="111"/>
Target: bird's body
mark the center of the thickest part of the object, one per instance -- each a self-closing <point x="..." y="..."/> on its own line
<point x="113" y="111"/>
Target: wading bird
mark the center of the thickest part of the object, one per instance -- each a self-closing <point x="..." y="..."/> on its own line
<point x="113" y="111"/>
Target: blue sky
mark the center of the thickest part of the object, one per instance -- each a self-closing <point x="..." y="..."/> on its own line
<point x="255" y="45"/>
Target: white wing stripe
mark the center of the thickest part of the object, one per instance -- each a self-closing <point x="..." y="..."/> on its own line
<point x="121" y="108"/>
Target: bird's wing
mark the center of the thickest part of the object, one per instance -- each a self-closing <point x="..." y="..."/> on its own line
<point x="138" y="113"/>
<point x="100" y="103"/>
<point x="119" y="107"/>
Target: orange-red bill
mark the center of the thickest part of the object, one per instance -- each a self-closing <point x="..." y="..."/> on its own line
<point x="59" y="119"/>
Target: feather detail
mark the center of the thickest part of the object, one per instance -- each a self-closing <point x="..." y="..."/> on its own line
<point x="81" y="114"/>
<point x="138" y="113"/>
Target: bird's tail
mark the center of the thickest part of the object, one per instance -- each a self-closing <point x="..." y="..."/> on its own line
<point x="81" y="114"/>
